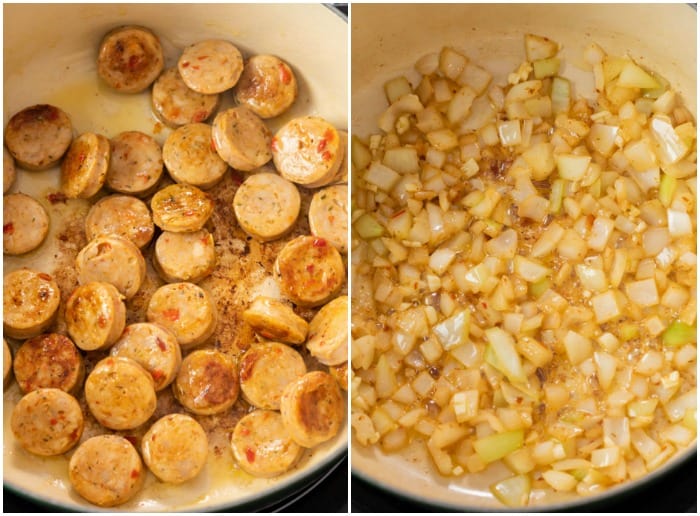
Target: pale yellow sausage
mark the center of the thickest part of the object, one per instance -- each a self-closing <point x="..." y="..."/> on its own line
<point x="184" y="256"/>
<point x="181" y="208"/>
<point x="135" y="165"/>
<point x="84" y="169"/>
<point x="9" y="172"/>
<point x="210" y="66"/>
<point x="267" y="86"/>
<point x="207" y="382"/>
<point x="340" y="373"/>
<point x="6" y="362"/>
<point x="30" y="303"/>
<point x="328" y="333"/>
<point x="176" y="104"/>
<point x="190" y="157"/>
<point x="25" y="224"/>
<point x="241" y="138"/>
<point x="122" y="215"/>
<point x="275" y="319"/>
<point x="328" y="216"/>
<point x="50" y="360"/>
<point x="95" y="315"/>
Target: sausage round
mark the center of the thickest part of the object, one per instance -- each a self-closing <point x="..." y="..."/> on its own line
<point x="122" y="215"/>
<point x="267" y="86"/>
<point x="184" y="256"/>
<point x="275" y="319"/>
<point x="328" y="333"/>
<point x="265" y="370"/>
<point x="313" y="408"/>
<point x="30" y="303"/>
<point x="47" y="422"/>
<point x="95" y="315"/>
<point x="50" y="360"/>
<point x="6" y="362"/>
<point x="241" y="138"/>
<point x="155" y="348"/>
<point x="181" y="208"/>
<point x="262" y="446"/>
<point x="266" y="206"/>
<point x="340" y="373"/>
<point x="9" y="172"/>
<point x="191" y="158"/>
<point x="175" y="448"/>
<point x="175" y="104"/>
<point x="25" y="224"/>
<point x="112" y="259"/>
<point x="38" y="136"/>
<point x="207" y="382"/>
<point x="185" y="309"/>
<point x="106" y="470"/>
<point x="328" y="216"/>
<point x="120" y="393"/>
<point x="136" y="164"/>
<point x="84" y="169"/>
<point x="130" y="58"/>
<point x="210" y="66"/>
<point x="309" y="271"/>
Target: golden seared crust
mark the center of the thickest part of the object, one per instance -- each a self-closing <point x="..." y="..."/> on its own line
<point x="310" y="271"/>
<point x="136" y="164"/>
<point x="120" y="393"/>
<point x="47" y="422"/>
<point x="9" y="172"/>
<point x="265" y="370"/>
<point x="154" y="347"/>
<point x="210" y="66"/>
<point x="191" y="158"/>
<point x="266" y="206"/>
<point x="340" y="373"/>
<point x="130" y="58"/>
<point x="181" y="208"/>
<point x="6" y="362"/>
<point x="175" y="448"/>
<point x="262" y="446"/>
<point x="313" y="408"/>
<point x="328" y="333"/>
<point x="38" y="136"/>
<point x="267" y="86"/>
<point x="328" y="216"/>
<point x="95" y="315"/>
<point x="122" y="215"/>
<point x="106" y="470"/>
<point x="112" y="259"/>
<point x="185" y="256"/>
<point x="84" y="169"/>
<point x="50" y="360"/>
<point x="241" y="138"/>
<point x="30" y="303"/>
<point x="175" y="104"/>
<point x="307" y="151"/>
<point x="186" y="310"/>
<point x="207" y="382"/>
<point x="275" y="320"/>
<point x="25" y="224"/>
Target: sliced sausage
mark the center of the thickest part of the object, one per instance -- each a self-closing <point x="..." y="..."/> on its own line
<point x="47" y="422"/>
<point x="6" y="362"/>
<point x="84" y="169"/>
<point x="342" y="176"/>
<point x="308" y="151"/>
<point x="310" y="271"/>
<point x="185" y="309"/>
<point x="184" y="256"/>
<point x="38" y="136"/>
<point x="340" y="373"/>
<point x="267" y="86"/>
<point x="265" y="370"/>
<point x="175" y="104"/>
<point x="262" y="446"/>
<point x="30" y="303"/>
<point x="120" y="393"/>
<point x="275" y="319"/>
<point x="313" y="408"/>
<point x="95" y="315"/>
<point x="175" y="448"/>
<point x="207" y="382"/>
<point x="130" y="58"/>
<point x="25" y="224"/>
<point x="112" y="259"/>
<point x="191" y="158"/>
<point x="241" y="138"/>
<point x="210" y="66"/>
<point x="106" y="470"/>
<point x="328" y="333"/>
<point x="9" y="172"/>
<point x="136" y="164"/>
<point x="266" y="206"/>
<point x="181" y="208"/>
<point x="155" y="348"/>
<point x="122" y="215"/>
<point x="328" y="216"/>
<point x="50" y="360"/>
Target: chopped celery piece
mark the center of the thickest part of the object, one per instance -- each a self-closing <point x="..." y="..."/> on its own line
<point x="497" y="446"/>
<point x="506" y="355"/>
<point x="546" y="67"/>
<point x="539" y="287"/>
<point x="667" y="189"/>
<point x="634" y="76"/>
<point x="655" y="93"/>
<point x="368" y="227"/>
<point x="513" y="491"/>
<point x="678" y="333"/>
<point x="629" y="331"/>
